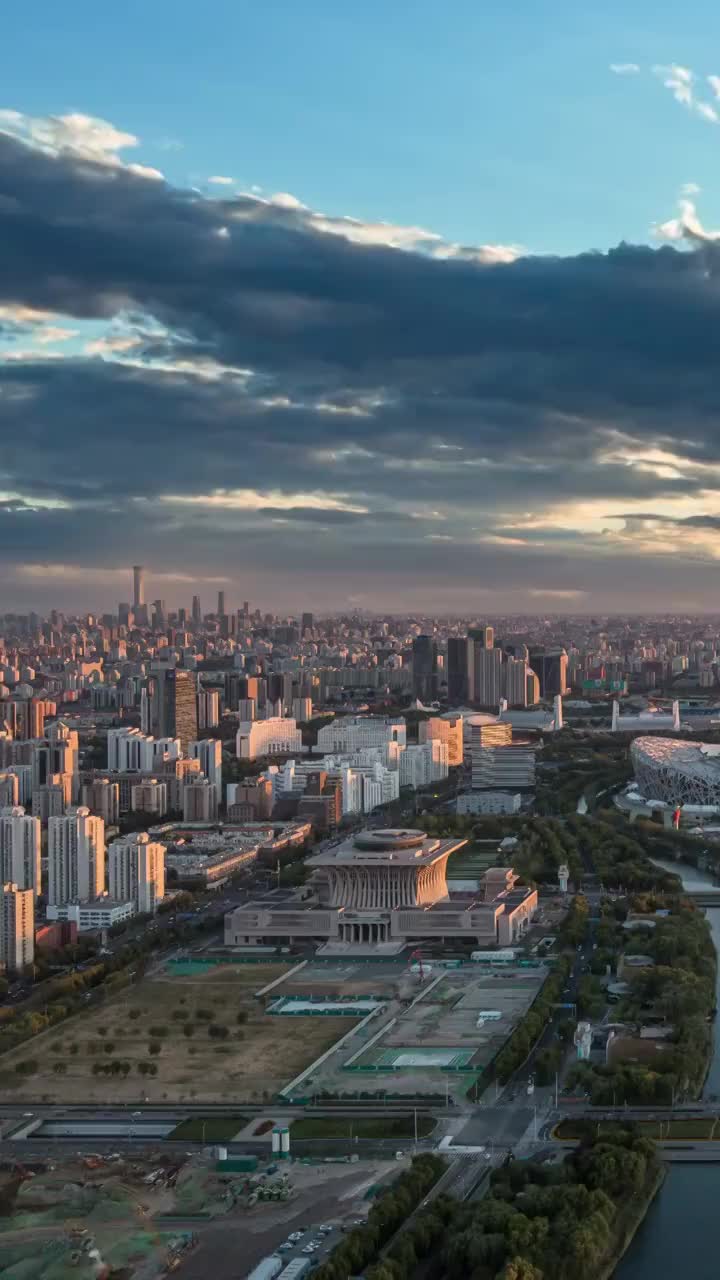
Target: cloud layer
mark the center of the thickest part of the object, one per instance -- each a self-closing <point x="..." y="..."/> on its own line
<point x="318" y="408"/>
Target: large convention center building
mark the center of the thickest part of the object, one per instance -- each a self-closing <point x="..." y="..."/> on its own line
<point x="384" y="889"/>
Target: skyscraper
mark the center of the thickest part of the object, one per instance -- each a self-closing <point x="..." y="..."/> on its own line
<point x="306" y="623"/>
<point x="196" y="611"/>
<point x="173" y="704"/>
<point x="424" y="664"/>
<point x="550" y="667"/>
<point x="138" y="586"/>
<point x="484" y="637"/>
<point x="221" y="604"/>
<point x="488" y="676"/>
<point x="460" y="672"/>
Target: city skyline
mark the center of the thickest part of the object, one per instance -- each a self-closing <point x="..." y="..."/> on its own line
<point x="471" y="384"/>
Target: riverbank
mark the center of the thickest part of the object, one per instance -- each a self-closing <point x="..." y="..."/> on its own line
<point x="630" y="1219"/>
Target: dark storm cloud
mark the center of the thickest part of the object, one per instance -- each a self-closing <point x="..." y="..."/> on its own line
<point x="366" y="363"/>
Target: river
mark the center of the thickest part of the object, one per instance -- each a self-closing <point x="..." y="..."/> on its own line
<point x="678" y="1234"/>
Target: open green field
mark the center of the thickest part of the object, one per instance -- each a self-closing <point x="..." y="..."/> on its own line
<point x="208" y="1128"/>
<point x="193" y="1038"/>
<point x="360" y="1127"/>
<point x="661" y="1130"/>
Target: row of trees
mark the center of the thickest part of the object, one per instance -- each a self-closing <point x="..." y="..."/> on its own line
<point x="361" y="1247"/>
<point x="529" y="1029"/>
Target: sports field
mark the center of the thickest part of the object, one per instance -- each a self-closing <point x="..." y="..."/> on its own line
<point x="194" y="1037"/>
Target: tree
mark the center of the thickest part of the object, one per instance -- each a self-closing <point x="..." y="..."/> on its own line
<point x="520" y="1269"/>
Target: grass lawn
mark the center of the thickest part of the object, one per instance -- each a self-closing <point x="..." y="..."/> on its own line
<point x="209" y="1128"/>
<point x="666" y="1130"/>
<point x="362" y="1127"/>
<point x="200" y="1038"/>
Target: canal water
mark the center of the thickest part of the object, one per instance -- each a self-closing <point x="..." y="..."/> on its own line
<point x="678" y="1236"/>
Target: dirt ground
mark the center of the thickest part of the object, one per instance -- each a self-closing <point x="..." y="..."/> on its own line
<point x="252" y="1058"/>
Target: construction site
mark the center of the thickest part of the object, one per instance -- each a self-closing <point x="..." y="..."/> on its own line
<point x="153" y="1214"/>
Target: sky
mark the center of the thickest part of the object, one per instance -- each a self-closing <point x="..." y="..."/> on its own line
<point x="394" y="306"/>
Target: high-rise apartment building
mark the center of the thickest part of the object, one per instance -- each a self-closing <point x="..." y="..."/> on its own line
<point x="208" y="708"/>
<point x="9" y="794"/>
<point x="136" y="871"/>
<point x="17" y="927"/>
<point x="102" y="797"/>
<point x="516" y="689"/>
<point x="200" y="800"/>
<point x="20" y="848"/>
<point x="76" y="857"/>
<point x="150" y="796"/>
<point x="276" y="736"/>
<point x="52" y="798"/>
<point x="209" y="752"/>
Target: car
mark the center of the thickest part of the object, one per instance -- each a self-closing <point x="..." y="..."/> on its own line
<point x="295" y="1236"/>
<point x="285" y="1246"/>
<point x="308" y="1248"/>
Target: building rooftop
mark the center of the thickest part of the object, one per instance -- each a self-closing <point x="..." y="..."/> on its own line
<point x="394" y="846"/>
<point x="699" y="759"/>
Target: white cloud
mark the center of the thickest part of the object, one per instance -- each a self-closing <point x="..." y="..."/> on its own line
<point x="94" y="573"/>
<point x="54" y="334"/>
<point x="219" y="180"/>
<point x="253" y="500"/>
<point x="85" y="137"/>
<point x="284" y="200"/>
<point x="681" y="83"/>
<point x="15" y="313"/>
<point x="686" y="226"/>
<point x="105" y="346"/>
<point x="714" y="82"/>
<point x="556" y="593"/>
<point x="624" y="68"/>
<point x="690" y="189"/>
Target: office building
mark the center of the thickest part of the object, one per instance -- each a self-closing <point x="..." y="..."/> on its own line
<point x="17" y="928"/>
<point x="351" y="733"/>
<point x="91" y="917"/>
<point x="550" y="667"/>
<point x="150" y="796"/>
<point x="76" y="856"/>
<point x="424" y="668"/>
<point x="505" y="768"/>
<point x="422" y="765"/>
<point x="221" y="604"/>
<point x="209" y="752"/>
<point x="136" y="871"/>
<point x="20" y="848"/>
<point x="196" y="611"/>
<point x="277" y="736"/>
<point x="102" y="797"/>
<point x="460" y="670"/>
<point x="200" y="802"/>
<point x="447" y="729"/>
<point x="488" y="802"/>
<point x="208" y="708"/>
<point x="173" y="703"/>
<point x="306" y="624"/>
<point x="380" y="891"/>
<point x="488" y="672"/>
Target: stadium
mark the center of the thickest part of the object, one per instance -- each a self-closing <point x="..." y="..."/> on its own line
<point x="677" y="772"/>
